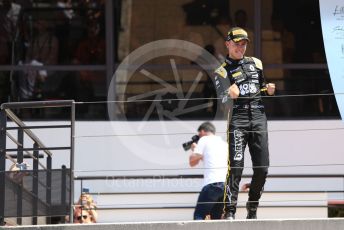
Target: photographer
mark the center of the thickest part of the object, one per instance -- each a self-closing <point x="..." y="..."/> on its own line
<point x="85" y="210"/>
<point x="212" y="150"/>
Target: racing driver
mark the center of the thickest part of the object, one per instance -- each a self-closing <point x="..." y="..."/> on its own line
<point x="242" y="79"/>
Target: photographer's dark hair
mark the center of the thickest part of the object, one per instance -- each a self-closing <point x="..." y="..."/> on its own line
<point x="207" y="127"/>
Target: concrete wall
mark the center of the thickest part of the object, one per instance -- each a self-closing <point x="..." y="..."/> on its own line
<point x="299" y="224"/>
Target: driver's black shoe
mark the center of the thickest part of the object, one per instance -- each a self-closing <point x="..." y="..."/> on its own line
<point x="251" y="212"/>
<point x="230" y="216"/>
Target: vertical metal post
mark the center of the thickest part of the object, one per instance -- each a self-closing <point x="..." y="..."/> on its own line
<point x="64" y="187"/>
<point x="72" y="145"/>
<point x="81" y="186"/>
<point x="110" y="48"/>
<point x="20" y="154"/>
<point x="48" y="188"/>
<point x="20" y="159"/>
<point x="35" y="184"/>
<point x="3" y="121"/>
<point x="117" y="12"/>
<point x="257" y="28"/>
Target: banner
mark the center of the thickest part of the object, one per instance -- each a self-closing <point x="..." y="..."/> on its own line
<point x="332" y="23"/>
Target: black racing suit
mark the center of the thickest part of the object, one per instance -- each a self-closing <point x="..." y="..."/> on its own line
<point x="248" y="125"/>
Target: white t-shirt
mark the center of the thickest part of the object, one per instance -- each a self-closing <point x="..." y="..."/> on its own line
<point x="215" y="155"/>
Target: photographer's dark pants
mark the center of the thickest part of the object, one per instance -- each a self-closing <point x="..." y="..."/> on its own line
<point x="210" y="202"/>
<point x="247" y="127"/>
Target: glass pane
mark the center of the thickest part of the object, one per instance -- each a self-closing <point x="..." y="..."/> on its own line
<point x="301" y="94"/>
<point x="160" y="91"/>
<point x="203" y="22"/>
<point x="52" y="32"/>
<point x="291" y="32"/>
<point x="242" y="13"/>
<point x="84" y="86"/>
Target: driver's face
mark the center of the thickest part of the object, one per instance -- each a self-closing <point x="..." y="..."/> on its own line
<point x="236" y="50"/>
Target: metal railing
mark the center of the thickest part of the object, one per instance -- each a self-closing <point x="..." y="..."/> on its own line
<point x="82" y="179"/>
<point x="20" y="152"/>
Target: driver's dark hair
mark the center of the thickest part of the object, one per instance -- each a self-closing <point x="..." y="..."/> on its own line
<point x="207" y="127"/>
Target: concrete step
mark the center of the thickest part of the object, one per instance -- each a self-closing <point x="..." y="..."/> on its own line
<point x="187" y="199"/>
<point x="125" y="207"/>
<point x="185" y="214"/>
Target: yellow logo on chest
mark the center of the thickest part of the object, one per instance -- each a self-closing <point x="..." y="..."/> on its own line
<point x="237" y="74"/>
<point x="221" y="72"/>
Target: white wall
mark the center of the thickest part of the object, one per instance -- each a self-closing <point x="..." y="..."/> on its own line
<point x="113" y="148"/>
<point x="110" y="149"/>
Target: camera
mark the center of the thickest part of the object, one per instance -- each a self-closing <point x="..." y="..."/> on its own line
<point x="21" y="166"/>
<point x="187" y="145"/>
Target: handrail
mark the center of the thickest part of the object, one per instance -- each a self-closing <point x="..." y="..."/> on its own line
<point x="27" y="152"/>
<point x="16" y="120"/>
<point x="151" y="67"/>
<point x="200" y="176"/>
<point x="40" y="127"/>
<point x="130" y="193"/>
<point x="13" y="139"/>
<point x="10" y="158"/>
<point x="37" y="104"/>
<point x="193" y="206"/>
<point x="33" y="104"/>
<point x="196" y="176"/>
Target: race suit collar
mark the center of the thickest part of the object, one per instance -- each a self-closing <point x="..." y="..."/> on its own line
<point x="231" y="61"/>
